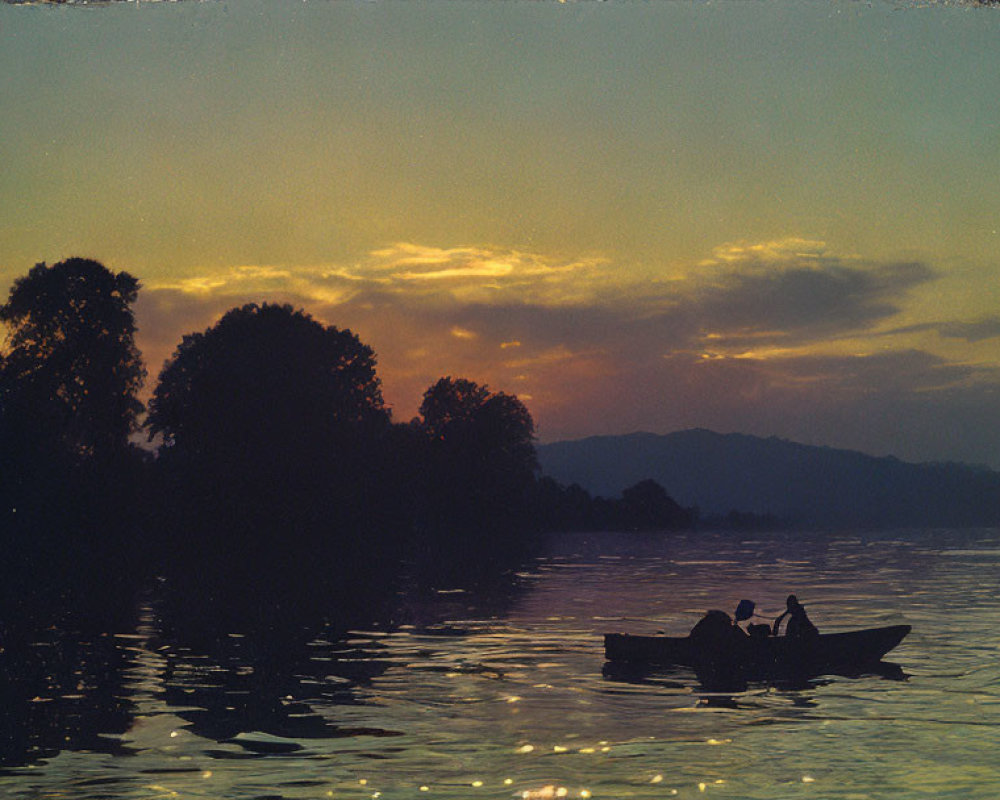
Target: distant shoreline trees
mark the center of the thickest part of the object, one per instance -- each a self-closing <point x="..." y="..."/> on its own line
<point x="646" y="506"/>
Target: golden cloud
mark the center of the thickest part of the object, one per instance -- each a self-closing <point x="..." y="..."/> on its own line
<point x="484" y="275"/>
<point x="312" y="283"/>
<point x="420" y="273"/>
<point x="791" y="249"/>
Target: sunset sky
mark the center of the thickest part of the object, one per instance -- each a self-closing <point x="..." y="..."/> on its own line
<point x="779" y="218"/>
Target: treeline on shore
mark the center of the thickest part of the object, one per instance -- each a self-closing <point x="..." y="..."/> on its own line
<point x="278" y="478"/>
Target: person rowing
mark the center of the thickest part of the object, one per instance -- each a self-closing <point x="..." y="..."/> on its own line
<point x="798" y="625"/>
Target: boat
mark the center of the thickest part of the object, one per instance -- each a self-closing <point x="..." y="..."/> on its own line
<point x="759" y="656"/>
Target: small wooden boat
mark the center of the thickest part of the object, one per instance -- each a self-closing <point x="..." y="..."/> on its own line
<point x="827" y="652"/>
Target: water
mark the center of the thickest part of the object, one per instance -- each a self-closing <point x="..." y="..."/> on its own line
<point x="498" y="696"/>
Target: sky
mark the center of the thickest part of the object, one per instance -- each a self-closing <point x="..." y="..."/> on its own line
<point x="777" y="218"/>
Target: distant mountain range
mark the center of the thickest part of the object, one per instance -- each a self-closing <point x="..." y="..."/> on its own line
<point x="801" y="484"/>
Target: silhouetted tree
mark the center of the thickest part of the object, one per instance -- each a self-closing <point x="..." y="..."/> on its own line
<point x="273" y="430"/>
<point x="71" y="372"/>
<point x="480" y="453"/>
<point x="648" y="506"/>
<point x="556" y="507"/>
<point x="645" y="506"/>
<point x="69" y="377"/>
<point x="263" y="375"/>
<point x="450" y="407"/>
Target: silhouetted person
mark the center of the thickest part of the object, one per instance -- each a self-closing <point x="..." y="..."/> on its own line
<point x="759" y="630"/>
<point x="798" y="626"/>
<point x="716" y="632"/>
<point x="744" y="613"/>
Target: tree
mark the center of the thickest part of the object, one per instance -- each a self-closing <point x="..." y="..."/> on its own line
<point x="273" y="427"/>
<point x="72" y="372"/>
<point x="69" y="378"/>
<point x="267" y="378"/>
<point x="481" y="452"/>
<point x="648" y="506"/>
<point x="450" y="406"/>
<point x="457" y="411"/>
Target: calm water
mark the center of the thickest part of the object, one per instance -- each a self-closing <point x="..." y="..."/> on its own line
<point x="494" y="697"/>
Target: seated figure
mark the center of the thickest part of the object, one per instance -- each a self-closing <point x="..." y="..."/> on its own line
<point x="717" y="631"/>
<point x="798" y="626"/>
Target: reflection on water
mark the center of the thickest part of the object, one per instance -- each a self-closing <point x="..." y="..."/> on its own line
<point x="726" y="692"/>
<point x="466" y="697"/>
<point x="63" y="693"/>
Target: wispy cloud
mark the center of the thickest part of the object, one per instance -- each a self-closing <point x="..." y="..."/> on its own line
<point x="766" y="255"/>
<point x="485" y="275"/>
<point x="977" y="330"/>
<point x="305" y="284"/>
<point x="421" y="273"/>
<point x="793" y="290"/>
<point x="788" y="292"/>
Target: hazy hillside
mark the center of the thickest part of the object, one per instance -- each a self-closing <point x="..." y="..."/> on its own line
<point x="805" y="484"/>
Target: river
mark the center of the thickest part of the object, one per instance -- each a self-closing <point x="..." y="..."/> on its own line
<point x="501" y="695"/>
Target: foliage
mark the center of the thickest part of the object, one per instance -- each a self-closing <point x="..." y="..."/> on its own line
<point x="265" y="375"/>
<point x="480" y="452"/>
<point x="644" y="506"/>
<point x="69" y="377"/>
<point x="273" y="432"/>
<point x="71" y="372"/>
<point x="488" y="428"/>
<point x="450" y="406"/>
<point x="281" y="492"/>
<point x="648" y="506"/>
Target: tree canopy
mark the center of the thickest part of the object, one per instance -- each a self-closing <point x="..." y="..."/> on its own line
<point x="71" y="371"/>
<point x="646" y="505"/>
<point x="450" y="407"/>
<point x="480" y="445"/>
<point x="266" y="375"/>
<point x="455" y="408"/>
<point x="272" y="426"/>
<point x="69" y="377"/>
